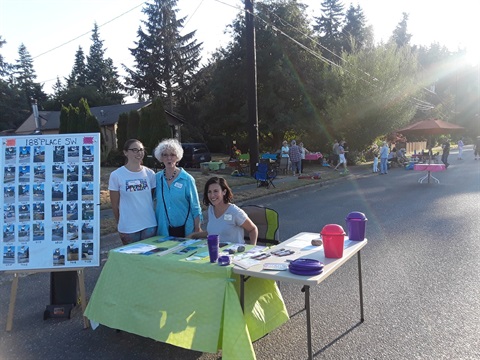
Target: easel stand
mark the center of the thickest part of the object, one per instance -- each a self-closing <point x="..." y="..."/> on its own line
<point x="54" y="308"/>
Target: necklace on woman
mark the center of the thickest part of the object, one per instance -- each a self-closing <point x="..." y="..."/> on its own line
<point x="171" y="177"/>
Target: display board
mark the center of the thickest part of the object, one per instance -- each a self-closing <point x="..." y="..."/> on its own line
<point x="51" y="201"/>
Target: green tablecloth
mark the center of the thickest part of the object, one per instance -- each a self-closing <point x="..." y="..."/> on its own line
<point x="191" y="304"/>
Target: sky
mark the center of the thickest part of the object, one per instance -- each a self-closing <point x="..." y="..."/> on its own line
<point x="53" y="30"/>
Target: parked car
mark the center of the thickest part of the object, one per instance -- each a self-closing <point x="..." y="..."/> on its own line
<point x="194" y="154"/>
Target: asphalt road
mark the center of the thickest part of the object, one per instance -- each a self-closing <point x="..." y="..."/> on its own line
<point x="421" y="280"/>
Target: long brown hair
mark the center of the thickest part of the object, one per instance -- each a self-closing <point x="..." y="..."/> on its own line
<point x="227" y="198"/>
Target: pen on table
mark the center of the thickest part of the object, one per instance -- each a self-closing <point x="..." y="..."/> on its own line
<point x="193" y="253"/>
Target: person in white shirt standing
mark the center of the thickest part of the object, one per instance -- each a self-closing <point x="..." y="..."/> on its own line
<point x="460" y="149"/>
<point x="131" y="195"/>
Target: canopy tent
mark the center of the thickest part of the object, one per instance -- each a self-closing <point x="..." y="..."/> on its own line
<point x="431" y="127"/>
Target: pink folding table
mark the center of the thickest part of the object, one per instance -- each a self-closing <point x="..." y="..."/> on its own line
<point x="429" y="168"/>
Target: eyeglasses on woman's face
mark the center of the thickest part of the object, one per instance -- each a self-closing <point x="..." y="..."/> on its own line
<point x="136" y="151"/>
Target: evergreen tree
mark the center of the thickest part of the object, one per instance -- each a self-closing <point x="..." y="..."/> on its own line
<point x="24" y="77"/>
<point x="355" y="33"/>
<point x="400" y="35"/>
<point x="379" y="89"/>
<point x="63" y="128"/>
<point x="133" y="125"/>
<point x="290" y="83"/>
<point x="100" y="72"/>
<point x="153" y="125"/>
<point x="78" y="76"/>
<point x="4" y="67"/>
<point x="122" y="129"/>
<point x="78" y="119"/>
<point x="329" y="28"/>
<point x="164" y="60"/>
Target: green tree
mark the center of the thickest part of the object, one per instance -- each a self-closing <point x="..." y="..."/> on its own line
<point x="122" y="129"/>
<point x="379" y="93"/>
<point x="290" y="80"/>
<point x="24" y="77"/>
<point x="133" y="124"/>
<point x="164" y="60"/>
<point x="400" y="35"/>
<point x="329" y="28"/>
<point x="78" y="75"/>
<point x="78" y="119"/>
<point x="355" y="33"/>
<point x="4" y="67"/>
<point x="100" y="72"/>
<point x="153" y="125"/>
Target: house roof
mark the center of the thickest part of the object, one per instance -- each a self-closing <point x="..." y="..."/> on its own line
<point x="106" y="115"/>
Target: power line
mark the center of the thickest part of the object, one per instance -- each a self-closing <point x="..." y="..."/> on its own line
<point x="88" y="32"/>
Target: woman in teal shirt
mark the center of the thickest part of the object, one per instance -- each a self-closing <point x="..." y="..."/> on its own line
<point x="178" y="209"/>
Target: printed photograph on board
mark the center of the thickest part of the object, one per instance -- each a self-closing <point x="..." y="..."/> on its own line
<point x="10" y="154"/>
<point x="39" y="192"/>
<point x="24" y="154"/>
<point x="23" y="254"/>
<point x="39" y="173"/>
<point x="8" y="233"/>
<point x="59" y="154"/>
<point x="9" y="174"/>
<point x="24" y="192"/>
<point x="58" y="257"/>
<point x="57" y="211"/>
<point x="39" y="154"/>
<point x="9" y="255"/>
<point x="9" y="193"/>
<point x="38" y="231"/>
<point x="24" y="232"/>
<point x="72" y="252"/>
<point x="24" y="173"/>
<point x="73" y="154"/>
<point x="57" y="232"/>
<point x="9" y="213"/>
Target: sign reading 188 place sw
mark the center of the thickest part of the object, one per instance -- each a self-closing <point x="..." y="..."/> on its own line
<point x="50" y="200"/>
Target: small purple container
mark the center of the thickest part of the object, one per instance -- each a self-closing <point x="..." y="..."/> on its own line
<point x="356" y="224"/>
<point x="213" y="241"/>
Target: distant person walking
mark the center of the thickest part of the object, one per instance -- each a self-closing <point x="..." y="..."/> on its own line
<point x="446" y="152"/>
<point x="375" y="158"/>
<point x="295" y="157"/>
<point x="284" y="161"/>
<point x="460" y="149"/>
<point x="335" y="156"/>
<point x="384" y="159"/>
<point x="341" y="155"/>
<point x="303" y="152"/>
<point x="477" y="148"/>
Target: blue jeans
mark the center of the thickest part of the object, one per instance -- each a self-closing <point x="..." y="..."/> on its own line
<point x="137" y="236"/>
<point x="383" y="165"/>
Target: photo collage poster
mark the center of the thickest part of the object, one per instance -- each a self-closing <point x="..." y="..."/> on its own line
<point x="50" y="201"/>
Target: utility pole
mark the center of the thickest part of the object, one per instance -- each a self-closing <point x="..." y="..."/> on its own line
<point x="38" y="126"/>
<point x="251" y="86"/>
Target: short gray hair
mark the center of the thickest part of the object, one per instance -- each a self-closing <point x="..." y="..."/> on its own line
<point x="168" y="144"/>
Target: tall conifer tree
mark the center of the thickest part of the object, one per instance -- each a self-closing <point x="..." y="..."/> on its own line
<point x="164" y="60"/>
